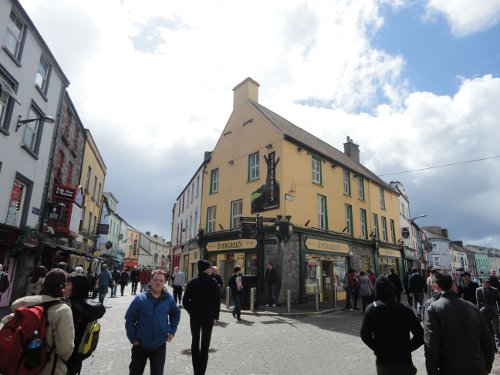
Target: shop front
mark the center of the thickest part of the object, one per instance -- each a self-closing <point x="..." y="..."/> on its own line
<point x="326" y="263"/>
<point x="387" y="259"/>
<point x="230" y="253"/>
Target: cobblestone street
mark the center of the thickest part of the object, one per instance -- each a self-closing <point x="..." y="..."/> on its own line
<point x="259" y="344"/>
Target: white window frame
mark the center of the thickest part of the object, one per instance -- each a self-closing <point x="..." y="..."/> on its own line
<point x="384" y="228"/>
<point x="361" y="188"/>
<point x="211" y="218"/>
<point x="348" y="218"/>
<point x="363" y="222"/>
<point x="31" y="130"/>
<point x="382" y="198"/>
<point x="42" y="74"/>
<point x="236" y="213"/>
<point x="347" y="182"/>
<point x="14" y="35"/>
<point x="322" y="212"/>
<point x="316" y="170"/>
<point x="253" y="166"/>
<point x="434" y="263"/>
<point x="214" y="181"/>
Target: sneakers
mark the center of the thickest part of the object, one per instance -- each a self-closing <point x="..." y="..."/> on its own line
<point x="267" y="305"/>
<point x="351" y="309"/>
<point x="274" y="305"/>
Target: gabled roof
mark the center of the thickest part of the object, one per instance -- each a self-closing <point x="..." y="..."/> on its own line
<point x="299" y="136"/>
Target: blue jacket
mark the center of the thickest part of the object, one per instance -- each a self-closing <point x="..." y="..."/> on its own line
<point x="150" y="320"/>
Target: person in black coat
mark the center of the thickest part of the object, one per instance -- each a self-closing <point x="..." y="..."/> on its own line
<point x="386" y="330"/>
<point x="202" y="301"/>
<point x="417" y="287"/>
<point x="396" y="281"/>
<point x="270" y="280"/>
<point x="134" y="278"/>
<point x="84" y="311"/>
<point x="236" y="285"/>
<point x="467" y="288"/>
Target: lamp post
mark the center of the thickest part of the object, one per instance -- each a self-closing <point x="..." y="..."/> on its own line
<point x="46" y="119"/>
<point x="418" y="217"/>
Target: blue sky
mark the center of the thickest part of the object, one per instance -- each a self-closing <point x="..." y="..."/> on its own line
<point x="414" y="83"/>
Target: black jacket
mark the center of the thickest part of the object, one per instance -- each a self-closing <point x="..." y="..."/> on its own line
<point x="202" y="298"/>
<point x="396" y="281"/>
<point x="457" y="338"/>
<point x="387" y="325"/>
<point x="270" y="276"/>
<point x="218" y="279"/>
<point x="416" y="284"/>
<point x="4" y="282"/>
<point x="468" y="291"/>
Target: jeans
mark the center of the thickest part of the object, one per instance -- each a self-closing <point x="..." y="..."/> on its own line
<point x="237" y="305"/>
<point x="418" y="301"/>
<point x="177" y="293"/>
<point x="140" y="357"/>
<point x="102" y="294"/>
<point x="113" y="290"/>
<point x="144" y="287"/>
<point x="200" y="353"/>
<point x="348" y="298"/>
<point x="122" y="288"/>
<point x="271" y="294"/>
<point x="134" y="287"/>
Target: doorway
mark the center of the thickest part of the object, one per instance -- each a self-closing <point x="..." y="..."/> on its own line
<point x="327" y="280"/>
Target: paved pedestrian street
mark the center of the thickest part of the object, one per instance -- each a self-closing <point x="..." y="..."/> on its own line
<point x="259" y="344"/>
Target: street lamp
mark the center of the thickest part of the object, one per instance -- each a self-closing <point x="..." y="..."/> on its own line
<point x="46" y="119"/>
<point x="418" y="217"/>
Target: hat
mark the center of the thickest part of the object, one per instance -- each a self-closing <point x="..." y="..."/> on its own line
<point x="491" y="279"/>
<point x="79" y="269"/>
<point x="203" y="265"/>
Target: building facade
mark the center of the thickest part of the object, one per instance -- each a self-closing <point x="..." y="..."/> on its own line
<point x="440" y="256"/>
<point x="311" y="209"/>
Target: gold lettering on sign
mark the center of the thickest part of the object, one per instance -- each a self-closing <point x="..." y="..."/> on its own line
<point x="232" y="245"/>
<point x="334" y="247"/>
<point x="389" y="253"/>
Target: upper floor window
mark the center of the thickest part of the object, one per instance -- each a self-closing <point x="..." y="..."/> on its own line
<point x="42" y="75"/>
<point x="322" y="212"/>
<point x="384" y="229"/>
<point x="99" y="193"/>
<point x="95" y="187"/>
<point x="7" y="98"/>
<point x="192" y="192"/>
<point x="211" y="217"/>
<point x="214" y="181"/>
<point x="375" y="227"/>
<point x="32" y="131"/>
<point x="393" y="232"/>
<point x="348" y="219"/>
<point x="361" y="188"/>
<point x="363" y="222"/>
<point x="87" y="180"/>
<point x="316" y="171"/>
<point x="14" y="36"/>
<point x="347" y="182"/>
<point x="187" y="199"/>
<point x="253" y="166"/>
<point x="236" y="212"/>
<point x="382" y="198"/>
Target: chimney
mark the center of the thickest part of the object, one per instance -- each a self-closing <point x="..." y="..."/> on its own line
<point x="458" y="243"/>
<point x="148" y="233"/>
<point x="155" y="236"/>
<point x="444" y="232"/>
<point x="351" y="149"/>
<point x="248" y="89"/>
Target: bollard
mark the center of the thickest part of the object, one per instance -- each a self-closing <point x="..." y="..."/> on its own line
<point x="252" y="296"/>
<point x="288" y="300"/>
<point x="316" y="297"/>
<point x="335" y="296"/>
<point x="228" y="293"/>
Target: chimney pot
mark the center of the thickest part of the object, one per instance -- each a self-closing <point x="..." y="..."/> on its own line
<point x="351" y="149"/>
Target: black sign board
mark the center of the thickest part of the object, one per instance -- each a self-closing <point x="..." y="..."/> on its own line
<point x="269" y="241"/>
<point x="103" y="229"/>
<point x="405" y="232"/>
<point x="63" y="192"/>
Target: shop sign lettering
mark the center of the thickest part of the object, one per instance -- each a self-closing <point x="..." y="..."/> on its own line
<point x="319" y="245"/>
<point x="232" y="245"/>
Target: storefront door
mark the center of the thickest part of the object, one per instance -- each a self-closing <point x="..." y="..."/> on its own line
<point x="327" y="280"/>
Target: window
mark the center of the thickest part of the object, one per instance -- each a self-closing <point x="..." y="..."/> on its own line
<point x="195" y="222"/>
<point x="87" y="180"/>
<point x="435" y="261"/>
<point x="90" y="222"/>
<point x="375" y="226"/>
<point x="384" y="228"/>
<point x="434" y="246"/>
<point x="7" y="98"/>
<point x="211" y="212"/>
<point x="32" y="132"/>
<point x="348" y="218"/>
<point x="382" y="199"/>
<point x="95" y="224"/>
<point x="95" y="187"/>
<point x="347" y="182"/>
<point x="393" y="232"/>
<point x="99" y="194"/>
<point x="192" y="192"/>
<point x="197" y="186"/>
<point x="69" y="174"/>
<point x="214" y="181"/>
<point x="59" y="166"/>
<point x="16" y="206"/>
<point x="236" y="212"/>
<point x="316" y="171"/>
<point x="42" y="75"/>
<point x="361" y="188"/>
<point x="14" y="36"/>
<point x="253" y="166"/>
<point x="364" y="227"/>
<point x="322" y="212"/>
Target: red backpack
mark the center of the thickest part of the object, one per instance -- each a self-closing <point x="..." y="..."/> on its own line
<point x="17" y="334"/>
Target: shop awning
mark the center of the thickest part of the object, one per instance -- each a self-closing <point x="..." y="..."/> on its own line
<point x="65" y="248"/>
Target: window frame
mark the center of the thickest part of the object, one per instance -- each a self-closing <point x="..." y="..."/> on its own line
<point x="393" y="230"/>
<point x="363" y="220"/>
<point x="87" y="180"/>
<point x="44" y="77"/>
<point x="211" y="219"/>
<point x="254" y="166"/>
<point x="348" y="219"/>
<point x="36" y="130"/>
<point x="317" y="175"/>
<point x="382" y="198"/>
<point x="17" y="39"/>
<point x="322" y="211"/>
<point x="347" y="182"/>
<point x="385" y="237"/>
<point x="7" y="104"/>
<point x="376" y="227"/>
<point x="214" y="181"/>
<point x="361" y="188"/>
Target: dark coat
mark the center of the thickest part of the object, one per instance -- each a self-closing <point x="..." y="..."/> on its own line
<point x="232" y="283"/>
<point x="457" y="338"/>
<point x="396" y="281"/>
<point x="488" y="305"/>
<point x="124" y="277"/>
<point x="270" y="276"/>
<point x="4" y="282"/>
<point x="218" y="279"/>
<point x="134" y="275"/>
<point x="417" y="284"/>
<point x="387" y="325"/>
<point x="468" y="291"/>
<point x="202" y="298"/>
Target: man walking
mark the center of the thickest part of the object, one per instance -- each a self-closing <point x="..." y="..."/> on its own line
<point x="270" y="280"/>
<point x="202" y="302"/>
<point x="134" y="278"/>
<point x="456" y="337"/>
<point x="104" y="280"/>
<point x="488" y="301"/>
<point x="116" y="279"/>
<point x="144" y="278"/>
<point x="396" y="281"/>
<point x="467" y="288"/>
<point x="151" y="321"/>
<point x="417" y="288"/>
<point x="179" y="280"/>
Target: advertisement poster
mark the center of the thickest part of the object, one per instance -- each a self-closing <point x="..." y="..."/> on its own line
<point x="267" y="197"/>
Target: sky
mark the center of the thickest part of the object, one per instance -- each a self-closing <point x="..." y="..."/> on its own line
<point x="416" y="84"/>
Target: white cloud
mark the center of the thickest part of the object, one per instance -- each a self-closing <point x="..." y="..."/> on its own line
<point x="467" y="17"/>
<point x="155" y="108"/>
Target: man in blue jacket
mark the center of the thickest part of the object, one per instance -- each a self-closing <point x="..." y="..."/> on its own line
<point x="151" y="321"/>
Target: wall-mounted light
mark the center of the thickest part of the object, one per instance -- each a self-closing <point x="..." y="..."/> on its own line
<point x="230" y="162"/>
<point x="46" y="119"/>
<point x="269" y="146"/>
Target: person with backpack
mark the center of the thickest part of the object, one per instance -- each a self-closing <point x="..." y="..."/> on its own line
<point x="54" y="325"/>
<point x="84" y="312"/>
<point x="236" y="285"/>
